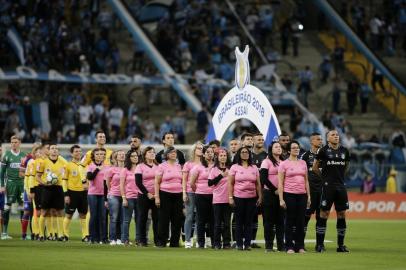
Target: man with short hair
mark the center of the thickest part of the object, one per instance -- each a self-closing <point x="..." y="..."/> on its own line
<point x="14" y="186"/>
<point x="100" y="143"/>
<point x="52" y="201"/>
<point x="315" y="181"/>
<point x="284" y="140"/>
<point x="74" y="186"/>
<point x="233" y="147"/>
<point x="168" y="140"/>
<point x="334" y="160"/>
<point x="135" y="144"/>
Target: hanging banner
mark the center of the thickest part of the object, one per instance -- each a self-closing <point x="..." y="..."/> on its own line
<point x="244" y="101"/>
<point x="27" y="73"/>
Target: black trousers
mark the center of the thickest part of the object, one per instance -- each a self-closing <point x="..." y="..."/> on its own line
<point x="295" y="217"/>
<point x="273" y="218"/>
<point x="244" y="211"/>
<point x="222" y="218"/>
<point x="143" y="206"/>
<point x="204" y="210"/>
<point x="170" y="212"/>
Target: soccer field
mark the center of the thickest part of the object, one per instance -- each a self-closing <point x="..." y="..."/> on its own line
<point x="373" y="245"/>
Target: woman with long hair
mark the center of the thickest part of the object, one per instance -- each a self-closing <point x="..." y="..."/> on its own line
<point x="273" y="214"/>
<point x="129" y="192"/>
<point x="245" y="194"/>
<point x="168" y="198"/>
<point x="204" y="196"/>
<point x="114" y="199"/>
<point x="222" y="211"/>
<point x="145" y="179"/>
<point x="189" y="197"/>
<point x="294" y="196"/>
<point x="95" y="175"/>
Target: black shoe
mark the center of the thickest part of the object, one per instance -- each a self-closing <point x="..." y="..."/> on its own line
<point x="226" y="247"/>
<point x="42" y="239"/>
<point x="61" y="239"/>
<point x="255" y="245"/>
<point x="247" y="248"/>
<point x="342" y="249"/>
<point x="50" y="237"/>
<point x="234" y="245"/>
<point x="217" y="247"/>
<point x="240" y="248"/>
<point x="320" y="248"/>
<point x="85" y="239"/>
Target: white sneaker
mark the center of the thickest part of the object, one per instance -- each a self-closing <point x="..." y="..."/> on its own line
<point x="5" y="236"/>
<point x="119" y="242"/>
<point x="188" y="244"/>
<point x="113" y="243"/>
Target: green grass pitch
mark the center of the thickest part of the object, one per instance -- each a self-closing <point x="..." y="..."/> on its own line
<point x="373" y="244"/>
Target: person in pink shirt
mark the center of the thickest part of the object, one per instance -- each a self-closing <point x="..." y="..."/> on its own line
<point x="168" y="198"/>
<point x="204" y="196"/>
<point x="245" y="194"/>
<point x="129" y="192"/>
<point x="272" y="213"/>
<point x="95" y="196"/>
<point x="218" y="179"/>
<point x="189" y="198"/>
<point x="114" y="199"/>
<point x="294" y="196"/>
<point x="145" y="179"/>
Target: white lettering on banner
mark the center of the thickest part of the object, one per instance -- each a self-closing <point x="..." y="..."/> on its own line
<point x="4" y="76"/>
<point x="357" y="206"/>
<point x="120" y="78"/>
<point x="402" y="207"/>
<point x="101" y="77"/>
<point x="55" y="75"/>
<point x="26" y="72"/>
<point x="381" y="206"/>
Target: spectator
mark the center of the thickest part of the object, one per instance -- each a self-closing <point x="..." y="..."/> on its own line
<point x="377" y="77"/>
<point x="179" y="126"/>
<point x="338" y="59"/>
<point x="364" y="98"/>
<point x="68" y="119"/>
<point x="296" y="29"/>
<point x="325" y="69"/>
<point x="116" y="115"/>
<point x="202" y="121"/>
<point x="375" y="25"/>
<point x="166" y="126"/>
<point x="368" y="185"/>
<point x="352" y="95"/>
<point x="336" y="94"/>
<point x="305" y="87"/>
<point x="391" y="186"/>
<point x="85" y="119"/>
<point x="349" y="141"/>
<point x="398" y="138"/>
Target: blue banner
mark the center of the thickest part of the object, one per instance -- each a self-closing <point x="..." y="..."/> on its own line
<point x="27" y="73"/>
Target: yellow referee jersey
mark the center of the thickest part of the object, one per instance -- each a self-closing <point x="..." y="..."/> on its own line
<point x="74" y="175"/>
<point x="49" y="166"/>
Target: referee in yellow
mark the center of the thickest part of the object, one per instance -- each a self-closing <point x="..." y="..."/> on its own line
<point x="75" y="191"/>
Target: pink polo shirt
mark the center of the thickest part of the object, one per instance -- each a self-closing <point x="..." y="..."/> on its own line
<point x="186" y="169"/>
<point x="244" y="181"/>
<point x="272" y="172"/>
<point x="295" y="172"/>
<point x="148" y="176"/>
<point x="114" y="176"/>
<point x="96" y="186"/>
<point x="171" y="177"/>
<point x="220" y="191"/>
<point x="130" y="188"/>
<point x="202" y="181"/>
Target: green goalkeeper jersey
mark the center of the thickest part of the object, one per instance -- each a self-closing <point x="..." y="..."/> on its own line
<point x="10" y="167"/>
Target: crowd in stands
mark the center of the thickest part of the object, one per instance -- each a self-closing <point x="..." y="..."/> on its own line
<point x="75" y="116"/>
<point x="63" y="35"/>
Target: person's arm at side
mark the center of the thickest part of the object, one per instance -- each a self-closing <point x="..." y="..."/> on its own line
<point x="263" y="175"/>
<point x="184" y="185"/>
<point x="281" y="181"/>
<point x="193" y="179"/>
<point x="307" y="190"/>
<point x="122" y="188"/>
<point x="231" y="182"/>
<point x="158" y="180"/>
<point x="259" y="191"/>
<point x="2" y="175"/>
